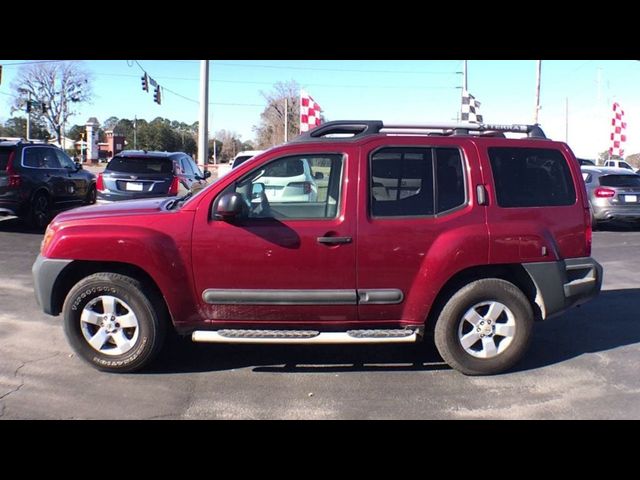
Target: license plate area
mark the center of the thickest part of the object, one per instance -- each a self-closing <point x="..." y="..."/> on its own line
<point x="631" y="198"/>
<point x="133" y="186"/>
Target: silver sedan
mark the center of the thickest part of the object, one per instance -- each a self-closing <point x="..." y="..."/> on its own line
<point x="614" y="194"/>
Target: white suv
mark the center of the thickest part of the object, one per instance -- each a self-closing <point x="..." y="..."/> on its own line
<point x="290" y="180"/>
<point x="242" y="157"/>
<point x="618" y="164"/>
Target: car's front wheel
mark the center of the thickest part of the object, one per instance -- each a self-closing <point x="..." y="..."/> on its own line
<point x="485" y="327"/>
<point x="112" y="324"/>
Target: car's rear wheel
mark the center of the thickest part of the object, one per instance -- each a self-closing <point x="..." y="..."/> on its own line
<point x="92" y="195"/>
<point x="39" y="214"/>
<point x="111" y="323"/>
<point x="485" y="327"/>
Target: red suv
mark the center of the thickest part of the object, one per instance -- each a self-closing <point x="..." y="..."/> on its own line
<point x="447" y="229"/>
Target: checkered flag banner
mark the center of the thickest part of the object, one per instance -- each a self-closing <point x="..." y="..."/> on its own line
<point x="470" y="108"/>
<point x="618" y="127"/>
<point x="309" y="112"/>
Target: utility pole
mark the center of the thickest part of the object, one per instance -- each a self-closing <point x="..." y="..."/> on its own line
<point x="464" y="88"/>
<point x="135" y="132"/>
<point x="203" y="143"/>
<point x="29" y="117"/>
<point x="538" y="75"/>
<point x="286" y="126"/>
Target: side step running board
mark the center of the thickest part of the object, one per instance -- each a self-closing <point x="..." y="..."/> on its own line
<point x="305" y="336"/>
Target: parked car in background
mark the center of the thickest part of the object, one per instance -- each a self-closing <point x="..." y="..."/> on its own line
<point x="618" y="164"/>
<point x="242" y="157"/>
<point x="37" y="180"/>
<point x="135" y="174"/>
<point x="614" y="194"/>
<point x="584" y="161"/>
<point x="290" y="181"/>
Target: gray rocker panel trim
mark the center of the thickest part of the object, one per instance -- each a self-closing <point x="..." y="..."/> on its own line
<point x="221" y="296"/>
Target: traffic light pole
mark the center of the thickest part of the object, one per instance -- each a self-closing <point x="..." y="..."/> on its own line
<point x="203" y="144"/>
<point x="29" y="117"/>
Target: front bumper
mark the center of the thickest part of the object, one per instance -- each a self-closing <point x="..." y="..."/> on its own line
<point x="45" y="273"/>
<point x="564" y="284"/>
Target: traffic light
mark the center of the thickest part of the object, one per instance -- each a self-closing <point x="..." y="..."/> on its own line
<point x="157" y="96"/>
<point x="145" y="83"/>
<point x="44" y="108"/>
<point x="28" y="106"/>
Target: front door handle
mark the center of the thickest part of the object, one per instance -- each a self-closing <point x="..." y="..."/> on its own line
<point x="334" y="240"/>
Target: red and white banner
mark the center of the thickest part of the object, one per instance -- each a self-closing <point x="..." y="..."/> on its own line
<point x="618" y="127"/>
<point x="309" y="112"/>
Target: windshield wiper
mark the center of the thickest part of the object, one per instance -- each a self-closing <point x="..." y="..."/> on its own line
<point x="175" y="202"/>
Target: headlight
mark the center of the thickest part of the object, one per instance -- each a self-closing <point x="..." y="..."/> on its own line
<point x="48" y="236"/>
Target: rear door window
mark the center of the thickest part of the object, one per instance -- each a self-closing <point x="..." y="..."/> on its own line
<point x="531" y="177"/>
<point x="40" y="157"/>
<point x="141" y="165"/>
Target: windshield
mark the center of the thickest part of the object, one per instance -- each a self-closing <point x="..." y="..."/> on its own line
<point x="140" y="165"/>
<point x="195" y="195"/>
<point x="620" y="181"/>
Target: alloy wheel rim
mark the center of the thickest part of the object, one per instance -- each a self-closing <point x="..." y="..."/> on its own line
<point x="487" y="329"/>
<point x="109" y="325"/>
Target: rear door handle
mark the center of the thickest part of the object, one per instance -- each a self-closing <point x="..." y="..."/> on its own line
<point x="334" y="240"/>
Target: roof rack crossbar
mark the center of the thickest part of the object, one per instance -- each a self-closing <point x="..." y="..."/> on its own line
<point x="362" y="128"/>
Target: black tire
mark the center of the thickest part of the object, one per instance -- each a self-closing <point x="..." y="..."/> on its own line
<point x="39" y="214"/>
<point x="129" y="292"/>
<point x="92" y="195"/>
<point x="450" y="327"/>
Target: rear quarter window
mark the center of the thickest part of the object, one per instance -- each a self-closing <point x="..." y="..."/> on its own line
<point x="4" y="158"/>
<point x="531" y="177"/>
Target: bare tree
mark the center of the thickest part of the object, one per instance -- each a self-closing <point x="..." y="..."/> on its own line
<point x="54" y="90"/>
<point x="231" y="145"/>
<point x="270" y="132"/>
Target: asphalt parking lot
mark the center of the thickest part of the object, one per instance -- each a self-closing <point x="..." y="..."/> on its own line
<point x="582" y="365"/>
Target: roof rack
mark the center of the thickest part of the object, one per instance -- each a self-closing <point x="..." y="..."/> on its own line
<point x="362" y="128"/>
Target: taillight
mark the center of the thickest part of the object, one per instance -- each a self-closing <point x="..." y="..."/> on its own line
<point x="588" y="231"/>
<point x="173" y="189"/>
<point x="306" y="186"/>
<point x="604" y="192"/>
<point x="14" y="179"/>
<point x="100" y="183"/>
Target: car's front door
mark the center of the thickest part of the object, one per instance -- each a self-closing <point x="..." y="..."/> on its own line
<point x="76" y="182"/>
<point x="288" y="263"/>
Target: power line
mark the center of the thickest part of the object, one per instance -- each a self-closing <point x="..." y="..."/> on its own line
<point x="283" y="67"/>
<point x="32" y="62"/>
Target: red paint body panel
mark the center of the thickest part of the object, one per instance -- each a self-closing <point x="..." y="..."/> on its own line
<point x="277" y="254"/>
<point x="186" y="253"/>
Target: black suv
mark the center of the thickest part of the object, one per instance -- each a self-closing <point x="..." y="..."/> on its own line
<point x="38" y="179"/>
<point x="135" y="174"/>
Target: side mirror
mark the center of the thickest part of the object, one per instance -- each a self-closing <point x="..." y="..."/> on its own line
<point x="207" y="174"/>
<point x="78" y="166"/>
<point x="319" y="176"/>
<point x="230" y="206"/>
<point x="257" y="190"/>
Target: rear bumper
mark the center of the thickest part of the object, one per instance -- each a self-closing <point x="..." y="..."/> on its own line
<point x="111" y="196"/>
<point x="629" y="213"/>
<point x="564" y="284"/>
<point x="10" y="207"/>
<point x="45" y="272"/>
